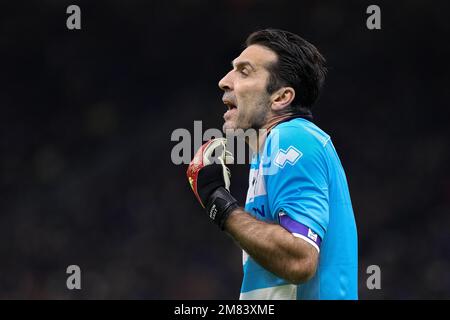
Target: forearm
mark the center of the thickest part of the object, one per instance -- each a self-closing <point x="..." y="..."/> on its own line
<point x="272" y="246"/>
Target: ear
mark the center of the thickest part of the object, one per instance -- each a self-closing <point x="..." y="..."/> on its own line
<point x="282" y="98"/>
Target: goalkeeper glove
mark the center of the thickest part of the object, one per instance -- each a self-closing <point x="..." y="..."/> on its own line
<point x="210" y="181"/>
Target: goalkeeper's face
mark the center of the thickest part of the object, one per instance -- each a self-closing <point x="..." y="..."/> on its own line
<point x="245" y="94"/>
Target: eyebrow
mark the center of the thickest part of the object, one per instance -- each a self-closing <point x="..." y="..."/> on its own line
<point x="242" y="64"/>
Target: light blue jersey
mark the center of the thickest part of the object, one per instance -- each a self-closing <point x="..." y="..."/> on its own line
<point x="298" y="182"/>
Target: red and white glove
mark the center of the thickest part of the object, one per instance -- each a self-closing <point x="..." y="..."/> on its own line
<point x="209" y="178"/>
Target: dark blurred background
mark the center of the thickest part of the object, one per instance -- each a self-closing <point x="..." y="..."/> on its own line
<point x="86" y="118"/>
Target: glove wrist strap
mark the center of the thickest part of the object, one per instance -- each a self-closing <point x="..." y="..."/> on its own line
<point x="221" y="203"/>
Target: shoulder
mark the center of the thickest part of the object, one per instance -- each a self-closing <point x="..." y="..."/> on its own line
<point x="298" y="133"/>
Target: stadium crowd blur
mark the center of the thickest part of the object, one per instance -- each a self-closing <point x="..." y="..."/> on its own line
<point x="86" y="118"/>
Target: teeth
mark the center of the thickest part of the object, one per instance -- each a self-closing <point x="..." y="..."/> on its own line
<point x="230" y="105"/>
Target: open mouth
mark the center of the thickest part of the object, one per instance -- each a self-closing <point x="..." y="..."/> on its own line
<point x="230" y="105"/>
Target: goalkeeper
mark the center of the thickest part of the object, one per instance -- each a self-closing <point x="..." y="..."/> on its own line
<point x="297" y="230"/>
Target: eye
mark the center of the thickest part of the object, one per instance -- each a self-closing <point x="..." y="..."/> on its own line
<point x="243" y="72"/>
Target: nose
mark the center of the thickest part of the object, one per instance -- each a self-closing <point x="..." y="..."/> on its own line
<point x="226" y="83"/>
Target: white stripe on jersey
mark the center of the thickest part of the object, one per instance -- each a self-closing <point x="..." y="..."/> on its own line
<point x="244" y="257"/>
<point x="284" y="292"/>
<point x="256" y="186"/>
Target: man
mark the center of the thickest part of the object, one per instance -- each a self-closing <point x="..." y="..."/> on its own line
<point x="297" y="231"/>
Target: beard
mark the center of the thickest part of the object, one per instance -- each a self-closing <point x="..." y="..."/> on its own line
<point x="248" y="117"/>
<point x="256" y="116"/>
<point x="231" y="118"/>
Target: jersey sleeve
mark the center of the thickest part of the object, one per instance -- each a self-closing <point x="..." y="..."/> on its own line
<point x="297" y="184"/>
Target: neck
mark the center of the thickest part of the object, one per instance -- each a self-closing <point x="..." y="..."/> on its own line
<point x="274" y="120"/>
<point x="257" y="143"/>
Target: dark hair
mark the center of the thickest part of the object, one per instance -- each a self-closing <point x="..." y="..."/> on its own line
<point x="299" y="65"/>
